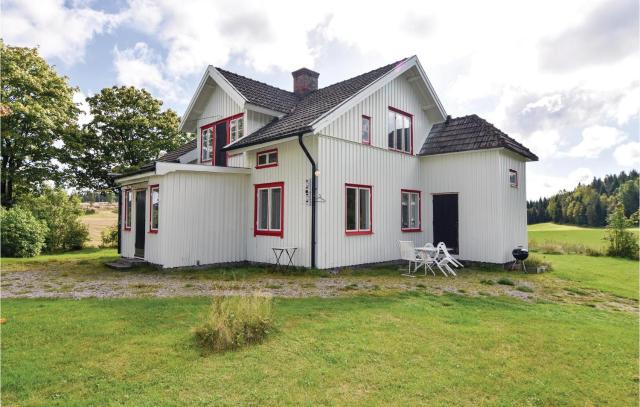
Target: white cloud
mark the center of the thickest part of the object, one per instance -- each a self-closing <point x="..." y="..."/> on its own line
<point x="79" y="99"/>
<point x="543" y="143"/>
<point x="596" y="139"/>
<point x="628" y="155"/>
<point x="59" y="31"/>
<point x="141" y="67"/>
<point x="547" y="185"/>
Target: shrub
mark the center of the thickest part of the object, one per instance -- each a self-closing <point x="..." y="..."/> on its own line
<point x="22" y="234"/>
<point x="622" y="243"/>
<point x="89" y="211"/>
<point x="234" y="322"/>
<point x="61" y="213"/>
<point x="109" y="236"/>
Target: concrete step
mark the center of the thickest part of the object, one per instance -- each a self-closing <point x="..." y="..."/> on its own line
<point x="125" y="263"/>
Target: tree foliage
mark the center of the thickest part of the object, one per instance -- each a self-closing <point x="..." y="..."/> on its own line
<point x="61" y="213"/>
<point x="588" y="205"/>
<point x="22" y="234"/>
<point x="128" y="129"/>
<point x="37" y="110"/>
<point x="622" y="243"/>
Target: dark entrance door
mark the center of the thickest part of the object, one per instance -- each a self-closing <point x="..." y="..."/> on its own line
<point x="221" y="141"/>
<point x="445" y="221"/>
<point x="141" y="205"/>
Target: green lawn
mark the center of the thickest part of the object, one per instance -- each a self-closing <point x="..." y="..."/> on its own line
<point x="403" y="349"/>
<point x="553" y="233"/>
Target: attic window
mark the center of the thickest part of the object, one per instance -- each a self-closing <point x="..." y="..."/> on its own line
<point x="513" y="178"/>
<point x="206" y="138"/>
<point x="366" y="129"/>
<point x="400" y="131"/>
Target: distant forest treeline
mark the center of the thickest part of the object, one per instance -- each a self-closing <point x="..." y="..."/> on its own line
<point x="588" y="205"/>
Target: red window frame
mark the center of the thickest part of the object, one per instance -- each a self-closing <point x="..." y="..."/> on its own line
<point x="127" y="212"/>
<point x="358" y="231"/>
<point x="410" y="116"/>
<point x="268" y="165"/>
<point x="256" y="231"/>
<point x="151" y="189"/>
<point x="367" y="118"/>
<point x="214" y="124"/>
<point x="517" y="184"/>
<point x="412" y="191"/>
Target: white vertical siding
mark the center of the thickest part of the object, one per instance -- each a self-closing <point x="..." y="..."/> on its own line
<point x="256" y="120"/>
<point x="398" y="94"/>
<point x="387" y="172"/>
<point x="202" y="219"/>
<point x="293" y="168"/>
<point x="489" y="218"/>
<point x="514" y="203"/>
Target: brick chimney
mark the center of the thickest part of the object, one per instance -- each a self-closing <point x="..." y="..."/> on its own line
<point x="305" y="81"/>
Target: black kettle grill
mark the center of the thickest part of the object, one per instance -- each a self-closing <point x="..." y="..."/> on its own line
<point x="520" y="254"/>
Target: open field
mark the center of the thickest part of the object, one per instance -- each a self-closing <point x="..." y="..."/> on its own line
<point x="552" y="233"/>
<point x="363" y="336"/>
<point x="103" y="218"/>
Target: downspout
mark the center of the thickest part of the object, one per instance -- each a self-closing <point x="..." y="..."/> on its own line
<point x="313" y="200"/>
<point x="119" y="195"/>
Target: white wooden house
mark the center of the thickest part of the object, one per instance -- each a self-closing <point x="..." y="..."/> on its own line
<point x="342" y="173"/>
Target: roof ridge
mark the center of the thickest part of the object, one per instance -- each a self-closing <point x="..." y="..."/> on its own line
<point x="364" y="73"/>
<point x="255" y="80"/>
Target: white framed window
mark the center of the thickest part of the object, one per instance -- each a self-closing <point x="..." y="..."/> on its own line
<point x="269" y="209"/>
<point x="128" y="205"/>
<point x="265" y="159"/>
<point x="366" y="129"/>
<point x="358" y="216"/>
<point x="154" y="209"/>
<point x="513" y="178"/>
<point x="400" y="131"/>
<point x="206" y="144"/>
<point x="410" y="211"/>
<point x="236" y="129"/>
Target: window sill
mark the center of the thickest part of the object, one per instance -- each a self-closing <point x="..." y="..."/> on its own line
<point x="277" y="233"/>
<point x="153" y="231"/>
<point x="411" y="230"/>
<point x="126" y="229"/>
<point x="400" y="151"/>
<point x="259" y="167"/>
<point x="358" y="232"/>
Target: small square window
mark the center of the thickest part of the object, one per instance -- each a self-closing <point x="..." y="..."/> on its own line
<point x="266" y="159"/>
<point x="513" y="178"/>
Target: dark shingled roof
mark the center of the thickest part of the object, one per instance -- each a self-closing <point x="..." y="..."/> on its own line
<point x="469" y="133"/>
<point x="173" y="156"/>
<point x="311" y="107"/>
<point x="261" y="94"/>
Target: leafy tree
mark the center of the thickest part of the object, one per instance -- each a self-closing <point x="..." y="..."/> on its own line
<point x="61" y="213"/>
<point x="128" y="129"/>
<point x="622" y="243"/>
<point x="629" y="195"/>
<point x="22" y="234"/>
<point x="37" y="109"/>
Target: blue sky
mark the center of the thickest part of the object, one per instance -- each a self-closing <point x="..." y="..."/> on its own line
<point x="561" y="77"/>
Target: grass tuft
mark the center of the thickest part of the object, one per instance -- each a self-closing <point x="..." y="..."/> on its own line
<point x="234" y="322"/>
<point x="524" y="288"/>
<point x="505" y="281"/>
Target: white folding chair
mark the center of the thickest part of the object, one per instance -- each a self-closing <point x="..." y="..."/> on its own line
<point x="408" y="252"/>
<point x="445" y="252"/>
<point x="442" y="262"/>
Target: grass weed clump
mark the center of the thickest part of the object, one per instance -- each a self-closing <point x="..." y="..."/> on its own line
<point x="234" y="322"/>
